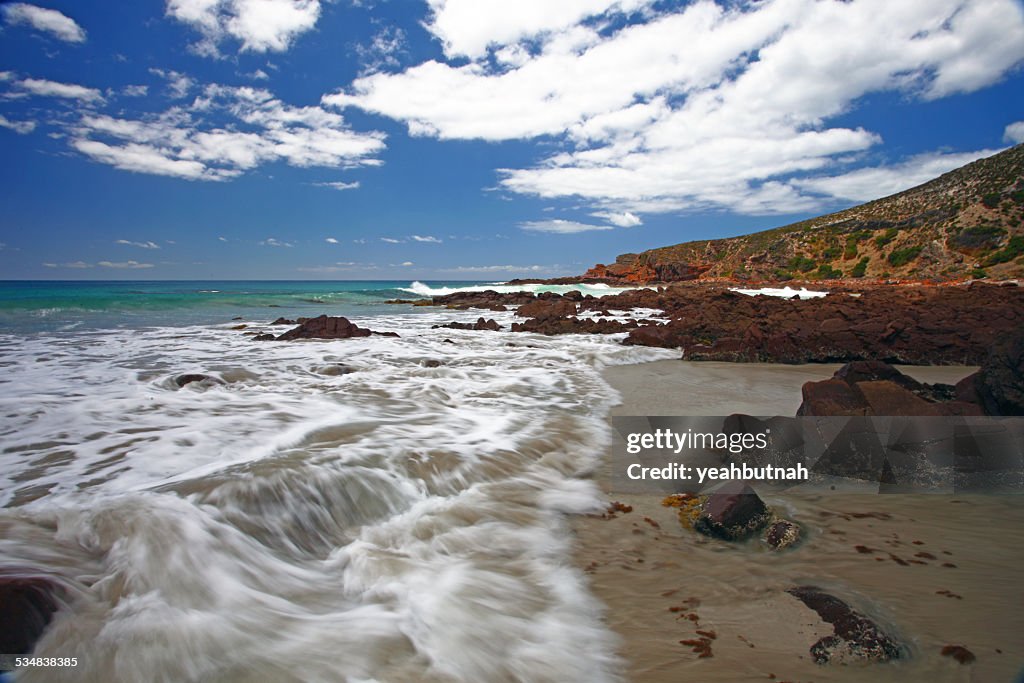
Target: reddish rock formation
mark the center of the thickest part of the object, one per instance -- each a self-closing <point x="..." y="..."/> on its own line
<point x="546" y="309"/>
<point x="918" y="325"/>
<point x="324" y="327"/>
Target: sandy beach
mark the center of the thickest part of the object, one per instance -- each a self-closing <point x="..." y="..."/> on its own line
<point x="935" y="570"/>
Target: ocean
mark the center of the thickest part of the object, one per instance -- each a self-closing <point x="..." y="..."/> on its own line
<point x="379" y="508"/>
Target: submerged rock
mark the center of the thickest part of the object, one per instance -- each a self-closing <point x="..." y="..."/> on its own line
<point x="782" y="534"/>
<point x="732" y="512"/>
<point x="853" y="634"/>
<point x="480" y="324"/>
<point x="182" y="380"/>
<point x="27" y="605"/>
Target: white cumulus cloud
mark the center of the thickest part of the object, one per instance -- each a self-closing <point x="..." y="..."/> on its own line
<point x="260" y="25"/>
<point x="49" y="21"/>
<point x="706" y="105"/>
<point x="1014" y="132"/>
<point x="865" y="184"/>
<point x="331" y="240"/>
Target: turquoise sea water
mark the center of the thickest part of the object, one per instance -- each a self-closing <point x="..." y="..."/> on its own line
<point x="63" y="305"/>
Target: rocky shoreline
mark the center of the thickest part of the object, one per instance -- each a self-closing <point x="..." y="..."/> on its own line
<point x="914" y="325"/>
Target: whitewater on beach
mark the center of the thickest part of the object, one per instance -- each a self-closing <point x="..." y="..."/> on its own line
<point x="376" y="508"/>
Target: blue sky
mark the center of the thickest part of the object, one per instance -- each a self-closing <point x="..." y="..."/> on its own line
<point x="471" y="139"/>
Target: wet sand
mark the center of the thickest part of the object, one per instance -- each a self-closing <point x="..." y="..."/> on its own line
<point x="939" y="569"/>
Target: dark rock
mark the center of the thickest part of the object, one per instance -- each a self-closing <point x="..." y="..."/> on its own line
<point x="877" y="388"/>
<point x="27" y="604"/>
<point x="732" y="512"/>
<point x="1000" y="382"/>
<point x="431" y="363"/>
<point x="182" y="380"/>
<point x="782" y="534"/>
<point x="239" y="327"/>
<point x="854" y="635"/>
<point x="324" y="327"/>
<point x="480" y="324"/>
<point x="238" y="317"/>
<point x="386" y="334"/>
<point x="335" y="369"/>
<point x="959" y="653"/>
<point x="546" y="309"/>
<point x="284" y="321"/>
<point x="264" y="337"/>
<point x="832" y="397"/>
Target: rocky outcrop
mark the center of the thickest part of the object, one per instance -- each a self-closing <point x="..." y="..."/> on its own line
<point x="547" y="309"/>
<point x="854" y="636"/>
<point x="329" y="327"/>
<point x="876" y="388"/>
<point x="999" y="384"/>
<point x="911" y="325"/>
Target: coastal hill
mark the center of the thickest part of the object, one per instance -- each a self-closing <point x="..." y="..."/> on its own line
<point x="968" y="223"/>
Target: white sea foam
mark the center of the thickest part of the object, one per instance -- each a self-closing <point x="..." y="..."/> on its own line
<point x="592" y="289"/>
<point x="785" y="292"/>
<point x="400" y="522"/>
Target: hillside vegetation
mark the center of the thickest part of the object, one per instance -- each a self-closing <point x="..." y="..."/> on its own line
<point x="968" y="223"/>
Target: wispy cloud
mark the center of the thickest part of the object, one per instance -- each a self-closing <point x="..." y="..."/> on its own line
<point x="391" y="240"/>
<point x="338" y="185"/>
<point x="179" y="85"/>
<point x="44" y="88"/>
<point x="497" y="269"/>
<point x="560" y="226"/>
<point x="20" y="127"/>
<point x="140" y="245"/>
<point x="49" y="21"/>
<point x="425" y="238"/>
<point x="135" y="90"/>
<point x="407" y="263"/>
<point x="271" y="242"/>
<point x="74" y="265"/>
<point x="130" y="265"/>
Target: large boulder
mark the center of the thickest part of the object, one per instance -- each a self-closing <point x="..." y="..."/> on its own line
<point x="877" y="388"/>
<point x="328" y="327"/>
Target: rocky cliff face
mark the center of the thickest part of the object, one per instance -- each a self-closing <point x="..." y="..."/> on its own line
<point x="968" y="223"/>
